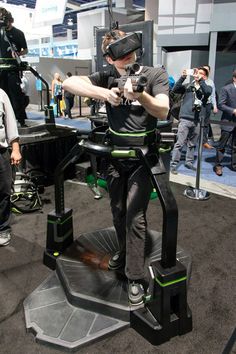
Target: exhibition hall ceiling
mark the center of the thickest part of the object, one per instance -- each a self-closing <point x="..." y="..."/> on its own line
<point x="74" y="3"/>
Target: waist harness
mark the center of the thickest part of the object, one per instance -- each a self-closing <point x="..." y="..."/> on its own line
<point x="133" y="139"/>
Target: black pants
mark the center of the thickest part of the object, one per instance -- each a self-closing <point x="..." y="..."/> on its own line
<point x="10" y="82"/>
<point x="69" y="101"/>
<point x="129" y="189"/>
<point x="207" y="131"/>
<point x="57" y="100"/>
<point x="5" y="189"/>
<point x="220" y="150"/>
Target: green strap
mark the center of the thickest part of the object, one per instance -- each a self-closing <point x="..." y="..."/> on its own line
<point x="132" y="134"/>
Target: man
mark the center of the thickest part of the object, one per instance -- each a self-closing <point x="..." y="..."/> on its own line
<point x="227" y="104"/>
<point x="69" y="100"/>
<point x="12" y="46"/>
<point x="211" y="105"/>
<point x="191" y="111"/>
<point x="132" y="119"/>
<point x="8" y="136"/>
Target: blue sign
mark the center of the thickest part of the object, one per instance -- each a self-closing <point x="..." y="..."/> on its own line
<point x="38" y="85"/>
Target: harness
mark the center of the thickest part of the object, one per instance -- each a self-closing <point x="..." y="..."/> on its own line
<point x="147" y="138"/>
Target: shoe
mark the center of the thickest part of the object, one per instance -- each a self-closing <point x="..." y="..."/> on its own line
<point x="5" y="237"/>
<point x="23" y="125"/>
<point x="218" y="170"/>
<point x="117" y="261"/>
<point x="135" y="293"/>
<point x="173" y="170"/>
<point x="207" y="146"/>
<point x="190" y="166"/>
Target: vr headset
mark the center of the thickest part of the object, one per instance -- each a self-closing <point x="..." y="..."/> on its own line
<point x="123" y="46"/>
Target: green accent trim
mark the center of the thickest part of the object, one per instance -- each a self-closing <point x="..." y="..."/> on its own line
<point x="171" y="282"/>
<point x="132" y="134"/>
<point x="123" y="153"/>
<point x="161" y="150"/>
<point x="147" y="298"/>
<point x="58" y="222"/>
<point x="14" y="210"/>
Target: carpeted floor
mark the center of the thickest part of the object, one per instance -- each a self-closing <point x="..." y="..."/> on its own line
<point x="206" y="231"/>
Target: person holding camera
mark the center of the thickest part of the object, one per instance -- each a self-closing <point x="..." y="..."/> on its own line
<point x="195" y="96"/>
<point x="132" y="119"/>
<point x="12" y="46"/>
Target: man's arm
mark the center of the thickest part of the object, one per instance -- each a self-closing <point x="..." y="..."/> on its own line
<point x="157" y="106"/>
<point x="213" y="98"/>
<point x="82" y="86"/>
<point x="11" y="130"/>
<point x="223" y="106"/>
<point x="206" y="89"/>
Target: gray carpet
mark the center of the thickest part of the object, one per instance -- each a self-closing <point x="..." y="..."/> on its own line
<point x="206" y="230"/>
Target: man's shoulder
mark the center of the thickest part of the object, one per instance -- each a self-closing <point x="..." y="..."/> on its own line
<point x="152" y="70"/>
<point x="228" y="87"/>
<point x="16" y="31"/>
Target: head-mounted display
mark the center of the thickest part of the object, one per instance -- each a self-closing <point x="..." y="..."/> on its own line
<point x="123" y="46"/>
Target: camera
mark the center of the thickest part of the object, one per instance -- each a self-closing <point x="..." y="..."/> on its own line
<point x="197" y="105"/>
<point x="190" y="72"/>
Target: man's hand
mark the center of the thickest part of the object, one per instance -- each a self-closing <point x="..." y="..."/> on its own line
<point x="14" y="55"/>
<point x="129" y="93"/>
<point x="114" y="96"/>
<point x="15" y="157"/>
<point x="234" y="112"/>
<point x="184" y="73"/>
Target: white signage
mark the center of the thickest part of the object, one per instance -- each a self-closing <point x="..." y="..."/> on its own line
<point x="49" y="12"/>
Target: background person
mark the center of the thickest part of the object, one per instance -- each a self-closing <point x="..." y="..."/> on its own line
<point x="8" y="136"/>
<point x="12" y="46"/>
<point x="69" y="100"/>
<point x="56" y="88"/>
<point x="25" y="89"/>
<point x="192" y="109"/>
<point x="227" y="104"/>
<point x="211" y="106"/>
<point x="129" y="185"/>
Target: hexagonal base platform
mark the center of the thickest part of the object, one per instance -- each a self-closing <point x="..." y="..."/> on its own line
<point x="55" y="321"/>
<point x="83" y="301"/>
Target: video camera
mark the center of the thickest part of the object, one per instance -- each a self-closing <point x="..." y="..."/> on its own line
<point x="197" y="103"/>
<point x="138" y="81"/>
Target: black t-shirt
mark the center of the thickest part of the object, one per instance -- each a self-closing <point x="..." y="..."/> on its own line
<point x="16" y="38"/>
<point x="130" y="116"/>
